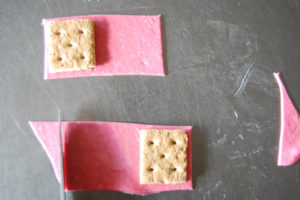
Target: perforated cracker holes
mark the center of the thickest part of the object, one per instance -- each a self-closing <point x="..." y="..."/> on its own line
<point x="70" y="45"/>
<point x="163" y="156"/>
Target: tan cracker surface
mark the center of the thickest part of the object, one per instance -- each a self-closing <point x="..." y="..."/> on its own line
<point x="163" y="156"/>
<point x="70" y="45"/>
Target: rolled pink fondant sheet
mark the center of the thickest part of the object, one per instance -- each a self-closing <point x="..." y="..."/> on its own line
<point x="289" y="141"/>
<point x="125" y="45"/>
<point x="103" y="155"/>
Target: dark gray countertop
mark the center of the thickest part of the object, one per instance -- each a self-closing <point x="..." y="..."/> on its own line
<point x="220" y="56"/>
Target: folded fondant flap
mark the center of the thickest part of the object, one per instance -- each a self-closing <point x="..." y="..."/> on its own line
<point x="103" y="155"/>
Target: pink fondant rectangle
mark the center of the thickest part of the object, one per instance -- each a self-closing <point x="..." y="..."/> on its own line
<point x="103" y="155"/>
<point x="125" y="45"/>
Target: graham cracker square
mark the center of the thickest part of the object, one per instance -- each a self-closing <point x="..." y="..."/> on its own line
<point x="163" y="156"/>
<point x="70" y="45"/>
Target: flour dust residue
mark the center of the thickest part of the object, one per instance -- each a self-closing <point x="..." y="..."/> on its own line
<point x="233" y="47"/>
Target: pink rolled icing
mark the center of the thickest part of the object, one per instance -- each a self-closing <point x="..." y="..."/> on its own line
<point x="125" y="45"/>
<point x="103" y="155"/>
<point x="289" y="139"/>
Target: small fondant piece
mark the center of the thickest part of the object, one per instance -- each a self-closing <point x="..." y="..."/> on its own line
<point x="124" y="45"/>
<point x="289" y="141"/>
<point x="104" y="155"/>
